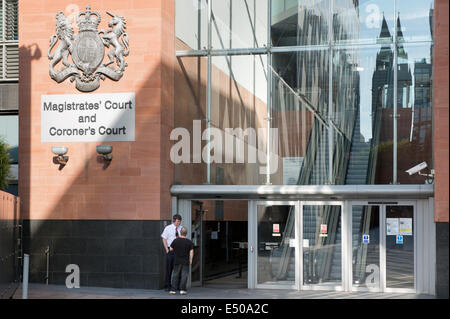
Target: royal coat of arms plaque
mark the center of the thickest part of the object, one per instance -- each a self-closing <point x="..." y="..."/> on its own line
<point x="87" y="50"/>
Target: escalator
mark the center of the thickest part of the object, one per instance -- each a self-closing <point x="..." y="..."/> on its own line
<point x="322" y="261"/>
<point x="330" y="153"/>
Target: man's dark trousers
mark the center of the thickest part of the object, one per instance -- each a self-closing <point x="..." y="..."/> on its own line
<point x="169" y="268"/>
<point x="184" y="271"/>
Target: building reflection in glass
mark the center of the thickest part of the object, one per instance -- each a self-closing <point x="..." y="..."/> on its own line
<point x="332" y="89"/>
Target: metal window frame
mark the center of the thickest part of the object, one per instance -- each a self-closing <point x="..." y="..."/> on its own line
<point x="394" y="105"/>
<point x="299" y="192"/>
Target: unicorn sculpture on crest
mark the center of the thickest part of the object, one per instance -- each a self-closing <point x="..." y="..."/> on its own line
<point x="111" y="37"/>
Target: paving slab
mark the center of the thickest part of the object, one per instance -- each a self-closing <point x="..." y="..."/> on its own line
<point x="42" y="291"/>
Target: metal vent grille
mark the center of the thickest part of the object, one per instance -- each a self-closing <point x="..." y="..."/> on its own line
<point x="12" y="62"/>
<point x="9" y="34"/>
<point x="11" y="25"/>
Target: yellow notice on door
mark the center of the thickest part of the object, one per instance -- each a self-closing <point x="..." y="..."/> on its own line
<point x="406" y="226"/>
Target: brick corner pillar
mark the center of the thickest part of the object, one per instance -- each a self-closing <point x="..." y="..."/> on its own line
<point x="168" y="59"/>
<point x="441" y="142"/>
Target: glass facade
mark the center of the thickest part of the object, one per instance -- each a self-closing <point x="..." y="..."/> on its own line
<point x="300" y="23"/>
<point x="239" y="24"/>
<point x="333" y="92"/>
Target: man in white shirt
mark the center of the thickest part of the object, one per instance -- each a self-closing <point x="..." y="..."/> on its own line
<point x="169" y="234"/>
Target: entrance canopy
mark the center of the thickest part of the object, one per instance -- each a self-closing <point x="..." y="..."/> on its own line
<point x="302" y="191"/>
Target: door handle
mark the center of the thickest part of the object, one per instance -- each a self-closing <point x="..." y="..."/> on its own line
<point x="251" y="248"/>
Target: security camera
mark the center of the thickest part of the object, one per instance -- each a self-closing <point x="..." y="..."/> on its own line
<point x="105" y="150"/>
<point x="416" y="169"/>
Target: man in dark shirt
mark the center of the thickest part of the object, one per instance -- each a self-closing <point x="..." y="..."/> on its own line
<point x="183" y="249"/>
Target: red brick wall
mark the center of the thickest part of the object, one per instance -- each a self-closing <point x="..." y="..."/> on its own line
<point x="136" y="184"/>
<point x="441" y="108"/>
<point x="9" y="207"/>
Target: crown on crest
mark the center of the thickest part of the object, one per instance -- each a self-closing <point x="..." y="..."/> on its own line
<point x="88" y="20"/>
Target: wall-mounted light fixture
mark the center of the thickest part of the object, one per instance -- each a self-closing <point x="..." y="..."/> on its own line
<point x="104" y="151"/>
<point x="105" y="157"/>
<point x="60" y="159"/>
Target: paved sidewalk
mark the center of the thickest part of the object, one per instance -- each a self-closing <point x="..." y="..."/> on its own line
<point x="41" y="291"/>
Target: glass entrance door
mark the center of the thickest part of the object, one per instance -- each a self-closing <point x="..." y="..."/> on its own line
<point x="383" y="247"/>
<point x="400" y="247"/>
<point x="366" y="247"/>
<point x="276" y="245"/>
<point x="333" y="245"/>
<point x="322" y="245"/>
<point x="197" y="235"/>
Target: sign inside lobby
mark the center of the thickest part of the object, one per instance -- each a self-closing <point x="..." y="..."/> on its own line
<point x="88" y="118"/>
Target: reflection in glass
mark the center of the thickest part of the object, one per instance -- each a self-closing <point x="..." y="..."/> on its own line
<point x="191" y="24"/>
<point x="332" y="107"/>
<point x="366" y="246"/>
<point x="238" y="112"/>
<point x="190" y="110"/>
<point x="276" y="252"/>
<point x="416" y="19"/>
<point x="239" y="24"/>
<point x="299" y="112"/>
<point x="414" y="98"/>
<point x="400" y="253"/>
<point x="299" y="22"/>
<point x="361" y="21"/>
<point x="322" y="262"/>
<point x="362" y="110"/>
<point x="343" y="117"/>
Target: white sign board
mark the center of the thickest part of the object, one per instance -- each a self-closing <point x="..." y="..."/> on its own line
<point x="406" y="226"/>
<point x="392" y="226"/>
<point x="306" y="243"/>
<point x="292" y="242"/>
<point x="291" y="170"/>
<point x="108" y="117"/>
